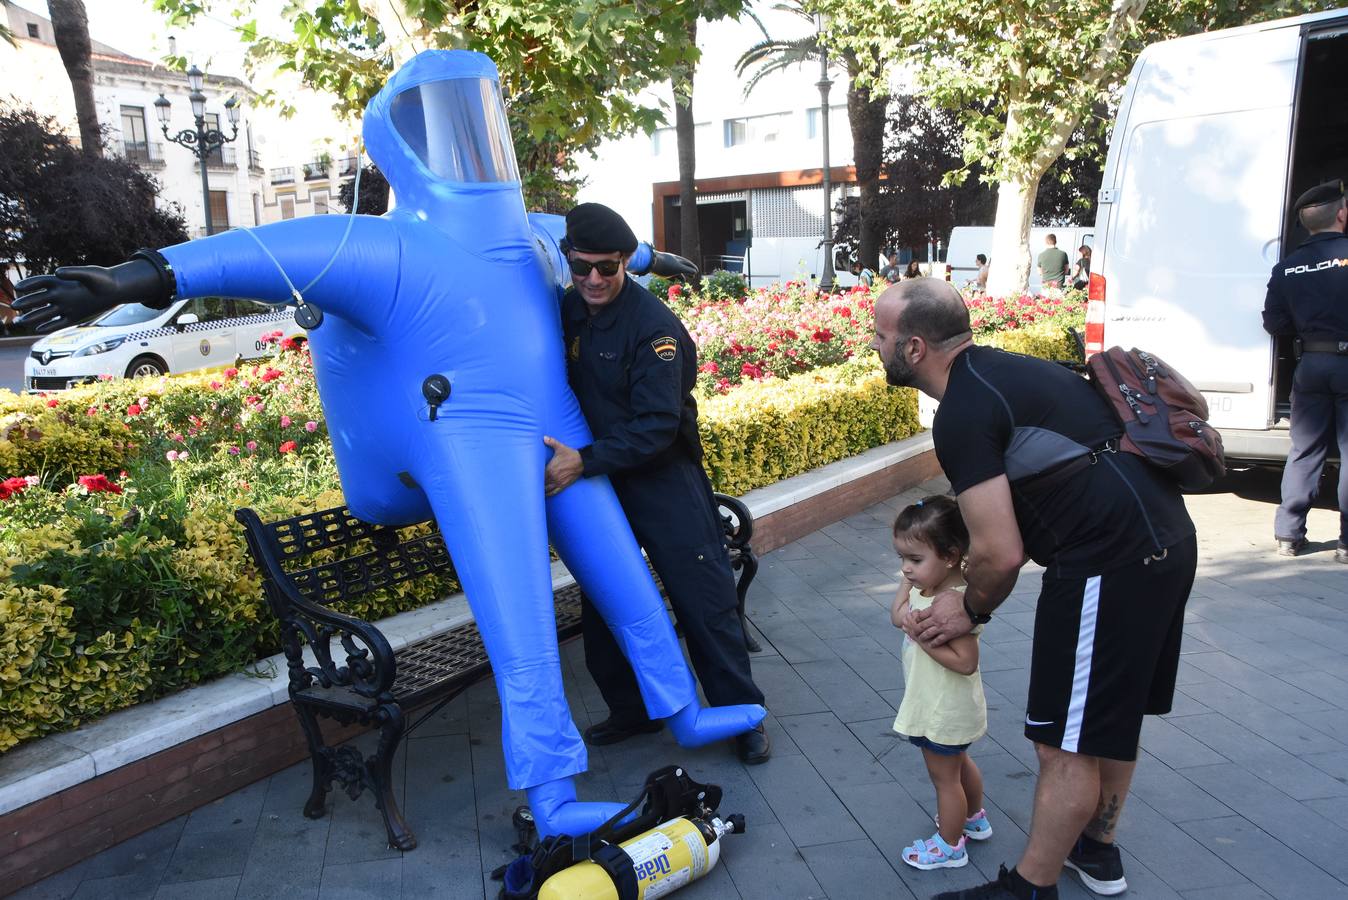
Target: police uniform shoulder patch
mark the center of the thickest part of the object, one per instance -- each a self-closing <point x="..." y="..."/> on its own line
<point x="665" y="347"/>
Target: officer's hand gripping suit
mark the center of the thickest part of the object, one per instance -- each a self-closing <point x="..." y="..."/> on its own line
<point x="455" y="283"/>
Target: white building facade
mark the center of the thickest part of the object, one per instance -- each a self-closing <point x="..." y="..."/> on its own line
<point x="125" y="90"/>
<point x="759" y="161"/>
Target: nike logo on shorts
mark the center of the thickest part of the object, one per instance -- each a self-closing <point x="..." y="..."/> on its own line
<point x="1029" y="721"/>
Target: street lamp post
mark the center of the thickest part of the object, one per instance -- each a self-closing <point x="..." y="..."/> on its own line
<point x="201" y="140"/>
<point x="825" y="279"/>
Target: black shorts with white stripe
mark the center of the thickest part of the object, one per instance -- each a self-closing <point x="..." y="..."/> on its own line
<point x="1106" y="652"/>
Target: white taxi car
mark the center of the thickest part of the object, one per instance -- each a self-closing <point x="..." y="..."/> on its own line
<point x="133" y="340"/>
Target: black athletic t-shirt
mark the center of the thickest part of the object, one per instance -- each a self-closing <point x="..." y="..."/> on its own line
<point x="1035" y="421"/>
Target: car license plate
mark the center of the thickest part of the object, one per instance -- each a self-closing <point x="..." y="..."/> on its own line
<point x="39" y="372"/>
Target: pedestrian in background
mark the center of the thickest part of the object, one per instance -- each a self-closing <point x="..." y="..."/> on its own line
<point x="981" y="279"/>
<point x="1081" y="276"/>
<point x="914" y="270"/>
<point x="1052" y="264"/>
<point x="892" y="272"/>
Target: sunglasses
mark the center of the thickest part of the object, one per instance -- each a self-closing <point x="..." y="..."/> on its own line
<point x="607" y="267"/>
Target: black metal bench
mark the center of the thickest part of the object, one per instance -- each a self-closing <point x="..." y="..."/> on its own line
<point x="313" y="564"/>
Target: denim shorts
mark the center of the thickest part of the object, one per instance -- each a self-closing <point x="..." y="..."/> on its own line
<point x="939" y="749"/>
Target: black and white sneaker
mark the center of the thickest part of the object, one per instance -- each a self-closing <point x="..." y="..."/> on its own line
<point x="1100" y="868"/>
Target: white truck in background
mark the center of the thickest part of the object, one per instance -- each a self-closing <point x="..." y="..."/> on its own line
<point x="1216" y="135"/>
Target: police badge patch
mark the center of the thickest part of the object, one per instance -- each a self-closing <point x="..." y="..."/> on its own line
<point x="574" y="352"/>
<point x="665" y="347"/>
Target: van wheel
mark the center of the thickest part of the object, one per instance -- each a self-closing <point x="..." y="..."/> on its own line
<point x="146" y="367"/>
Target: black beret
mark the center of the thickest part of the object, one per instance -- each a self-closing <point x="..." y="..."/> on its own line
<point x="1320" y="195"/>
<point x="594" y="228"/>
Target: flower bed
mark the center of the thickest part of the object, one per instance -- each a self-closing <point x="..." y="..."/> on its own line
<point x="783" y="330"/>
<point x="123" y="575"/>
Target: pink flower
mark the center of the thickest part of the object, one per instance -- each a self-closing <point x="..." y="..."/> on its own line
<point x="251" y="445"/>
<point x="285" y="421"/>
<point x="287" y="447"/>
<point x="233" y="451"/>
<point x="171" y="456"/>
<point x="311" y="426"/>
<point x="215" y="385"/>
<point x="231" y="372"/>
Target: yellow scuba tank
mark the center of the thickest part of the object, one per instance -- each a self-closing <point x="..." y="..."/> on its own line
<point x="663" y="860"/>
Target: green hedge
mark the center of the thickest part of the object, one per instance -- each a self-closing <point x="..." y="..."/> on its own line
<point x="123" y="576"/>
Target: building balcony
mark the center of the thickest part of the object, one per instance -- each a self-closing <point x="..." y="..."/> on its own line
<point x="283" y="175"/>
<point x="254" y="162"/>
<point x="316" y="170"/>
<point x="347" y="167"/>
<point x="146" y="154"/>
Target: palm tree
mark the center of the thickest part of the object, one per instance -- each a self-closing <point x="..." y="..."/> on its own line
<point x="865" y="112"/>
<point x="70" y="26"/>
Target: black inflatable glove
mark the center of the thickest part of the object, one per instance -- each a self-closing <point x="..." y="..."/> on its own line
<point x="74" y="293"/>
<point x="667" y="265"/>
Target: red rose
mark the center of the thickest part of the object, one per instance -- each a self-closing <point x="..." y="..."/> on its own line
<point x="134" y="409"/>
<point x="822" y="335"/>
<point x="271" y="374"/>
<point x="52" y="404"/>
<point x="11" y="486"/>
<point x="99" y="484"/>
<point x="287" y="447"/>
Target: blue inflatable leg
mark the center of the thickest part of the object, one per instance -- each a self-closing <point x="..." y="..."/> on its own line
<point x="556" y="810"/>
<point x="694" y="725"/>
<point x="614" y="576"/>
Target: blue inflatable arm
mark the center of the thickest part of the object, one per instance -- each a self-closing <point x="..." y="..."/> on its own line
<point x="248" y="265"/>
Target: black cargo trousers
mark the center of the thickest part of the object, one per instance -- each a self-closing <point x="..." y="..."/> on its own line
<point x="674" y="517"/>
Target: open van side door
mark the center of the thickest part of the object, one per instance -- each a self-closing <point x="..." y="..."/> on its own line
<point x="1191" y="215"/>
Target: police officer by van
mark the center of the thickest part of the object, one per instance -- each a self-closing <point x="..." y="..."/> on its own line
<point x="1308" y="299"/>
<point x="632" y="366"/>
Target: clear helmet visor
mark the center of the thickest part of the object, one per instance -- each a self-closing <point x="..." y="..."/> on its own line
<point x="458" y="129"/>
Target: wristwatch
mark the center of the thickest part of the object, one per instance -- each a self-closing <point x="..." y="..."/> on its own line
<point x="977" y="619"/>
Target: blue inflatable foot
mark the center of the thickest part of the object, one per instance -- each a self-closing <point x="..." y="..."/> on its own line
<point x="694" y="725"/>
<point x="557" y="811"/>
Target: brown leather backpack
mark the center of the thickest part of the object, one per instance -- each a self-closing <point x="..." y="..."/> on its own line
<point x="1164" y="417"/>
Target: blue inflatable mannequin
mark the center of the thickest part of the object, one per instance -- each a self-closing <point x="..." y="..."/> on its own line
<point x="440" y="365"/>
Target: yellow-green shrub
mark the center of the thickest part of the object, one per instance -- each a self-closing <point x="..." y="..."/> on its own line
<point x="52" y="681"/>
<point x="760" y="433"/>
<point x="61" y="442"/>
<point x="1047" y="340"/>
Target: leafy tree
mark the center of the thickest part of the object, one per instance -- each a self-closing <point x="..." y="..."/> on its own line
<point x="1033" y="72"/>
<point x="866" y="102"/>
<point x="924" y="144"/>
<point x="60" y="207"/>
<point x="70" y="26"/>
<point x="571" y="71"/>
<point x="373" y="192"/>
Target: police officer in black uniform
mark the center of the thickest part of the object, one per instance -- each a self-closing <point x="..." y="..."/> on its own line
<point x="1308" y="298"/>
<point x="632" y="366"/>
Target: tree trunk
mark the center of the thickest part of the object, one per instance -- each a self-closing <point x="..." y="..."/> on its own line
<point x="1009" y="271"/>
<point x="1009" y="261"/>
<point x="690" y="240"/>
<point x="867" y="117"/>
<point x="405" y="35"/>
<point x="70" y="25"/>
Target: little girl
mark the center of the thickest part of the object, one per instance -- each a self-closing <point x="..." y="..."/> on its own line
<point x="943" y="709"/>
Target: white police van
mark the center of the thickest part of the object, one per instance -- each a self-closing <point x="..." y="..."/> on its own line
<point x="1216" y="135"/>
<point x="133" y="340"/>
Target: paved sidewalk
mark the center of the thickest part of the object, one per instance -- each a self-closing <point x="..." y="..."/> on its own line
<point x="1238" y="794"/>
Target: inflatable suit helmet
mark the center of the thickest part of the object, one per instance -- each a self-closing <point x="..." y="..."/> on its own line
<point x="456" y="283"/>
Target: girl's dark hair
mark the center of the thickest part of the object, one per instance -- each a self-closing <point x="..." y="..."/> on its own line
<point x="935" y="521"/>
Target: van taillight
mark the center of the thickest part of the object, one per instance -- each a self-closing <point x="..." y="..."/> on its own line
<point x="1095" y="315"/>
